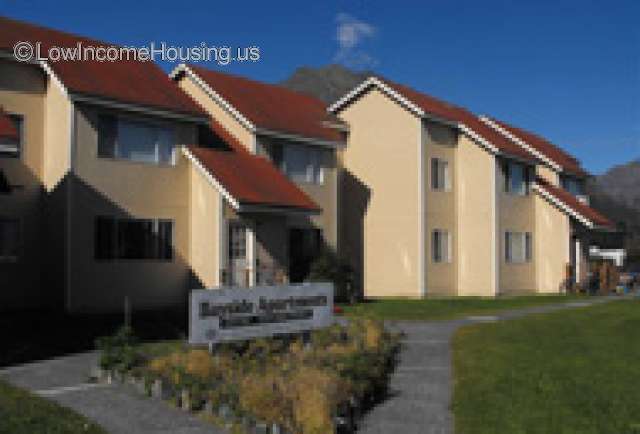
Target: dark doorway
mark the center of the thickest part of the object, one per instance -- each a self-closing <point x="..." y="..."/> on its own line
<point x="304" y="247"/>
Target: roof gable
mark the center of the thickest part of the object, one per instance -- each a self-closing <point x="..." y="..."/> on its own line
<point x="556" y="157"/>
<point x="267" y="108"/>
<point x="426" y="106"/>
<point x="248" y="179"/>
<point x="131" y="82"/>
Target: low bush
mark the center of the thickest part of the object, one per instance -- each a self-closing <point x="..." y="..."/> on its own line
<point x="299" y="385"/>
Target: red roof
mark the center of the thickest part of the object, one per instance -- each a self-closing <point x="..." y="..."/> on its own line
<point x="133" y="82"/>
<point x="548" y="149"/>
<point x="459" y="115"/>
<point x="272" y="107"/>
<point x="250" y="179"/>
<point x="7" y="128"/>
<point x="572" y="202"/>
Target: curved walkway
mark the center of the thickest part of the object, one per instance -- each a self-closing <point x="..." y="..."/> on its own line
<point x="421" y="386"/>
<point x="419" y="402"/>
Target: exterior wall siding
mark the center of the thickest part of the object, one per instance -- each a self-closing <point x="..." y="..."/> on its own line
<point x="551" y="246"/>
<point x="380" y="202"/>
<point x="440" y="209"/>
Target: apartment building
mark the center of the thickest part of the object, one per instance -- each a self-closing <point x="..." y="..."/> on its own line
<point x="120" y="181"/>
<point x="117" y="184"/>
<point x="438" y="201"/>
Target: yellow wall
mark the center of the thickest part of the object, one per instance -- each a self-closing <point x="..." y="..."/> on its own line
<point x="551" y="245"/>
<point x="548" y="174"/>
<point x="22" y="91"/>
<point x="476" y="222"/>
<point x="112" y="187"/>
<point x="380" y="195"/>
<point x="206" y="226"/>
<point x="57" y="151"/>
<point x="245" y="136"/>
<point x="516" y="214"/>
<point x="440" y="208"/>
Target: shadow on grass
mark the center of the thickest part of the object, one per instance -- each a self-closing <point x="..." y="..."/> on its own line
<point x="35" y="335"/>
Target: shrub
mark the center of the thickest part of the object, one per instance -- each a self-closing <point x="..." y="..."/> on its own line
<point x="120" y="351"/>
<point x="328" y="267"/>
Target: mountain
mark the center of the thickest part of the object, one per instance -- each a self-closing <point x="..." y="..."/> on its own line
<point x="328" y="83"/>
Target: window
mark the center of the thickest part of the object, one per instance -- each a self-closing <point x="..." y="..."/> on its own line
<point x="516" y="178"/>
<point x="572" y="185"/>
<point x="11" y="147"/>
<point x="9" y="239"/>
<point x="303" y="164"/>
<point x="441" y="246"/>
<point x="440" y="175"/>
<point x="133" y="239"/>
<point x="518" y="247"/>
<point x="135" y="141"/>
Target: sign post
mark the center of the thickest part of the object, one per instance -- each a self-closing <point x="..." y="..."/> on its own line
<point x="232" y="314"/>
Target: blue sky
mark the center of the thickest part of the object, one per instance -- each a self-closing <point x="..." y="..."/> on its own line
<point x="569" y="70"/>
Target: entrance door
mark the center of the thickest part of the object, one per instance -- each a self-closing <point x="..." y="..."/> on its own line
<point x="238" y="254"/>
<point x="304" y="247"/>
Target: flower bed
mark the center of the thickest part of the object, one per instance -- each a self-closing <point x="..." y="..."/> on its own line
<point x="286" y="385"/>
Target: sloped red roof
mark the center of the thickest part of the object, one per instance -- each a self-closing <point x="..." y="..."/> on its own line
<point x="458" y="115"/>
<point x="548" y="149"/>
<point x="133" y="82"/>
<point x="572" y="202"/>
<point x="250" y="179"/>
<point x="7" y="128"/>
<point x="272" y="107"/>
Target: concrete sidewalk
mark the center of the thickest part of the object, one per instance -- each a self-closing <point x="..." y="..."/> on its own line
<point x="420" y="387"/>
<point x="114" y="407"/>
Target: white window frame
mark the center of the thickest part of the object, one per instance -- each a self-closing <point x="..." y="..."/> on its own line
<point x="438" y="257"/>
<point x="440" y="175"/>
<point x="524" y="256"/>
<point x="508" y="174"/>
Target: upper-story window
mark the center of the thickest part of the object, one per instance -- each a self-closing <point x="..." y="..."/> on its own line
<point x="440" y="177"/>
<point x="303" y="164"/>
<point x="135" y="141"/>
<point x="572" y="185"/>
<point x="10" y="147"/>
<point x="516" y="177"/>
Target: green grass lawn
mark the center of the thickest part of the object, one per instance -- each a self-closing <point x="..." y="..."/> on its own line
<point x="569" y="372"/>
<point x="441" y="309"/>
<point x="24" y="413"/>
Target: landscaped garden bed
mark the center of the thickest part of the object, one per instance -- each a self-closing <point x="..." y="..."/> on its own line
<point x="315" y="385"/>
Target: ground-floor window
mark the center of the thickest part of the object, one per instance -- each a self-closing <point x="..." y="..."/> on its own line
<point x="441" y="246"/>
<point x="518" y="247"/>
<point x="125" y="238"/>
<point x="9" y="239"/>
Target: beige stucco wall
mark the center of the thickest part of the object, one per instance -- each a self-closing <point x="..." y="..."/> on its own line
<point x="440" y="141"/>
<point x="380" y="195"/>
<point x="216" y="111"/>
<point x="476" y="242"/>
<point x="548" y="174"/>
<point x="128" y="189"/>
<point x="22" y="91"/>
<point x="551" y="245"/>
<point x="206" y="226"/>
<point x="57" y="120"/>
<point x="515" y="214"/>
<point x="324" y="195"/>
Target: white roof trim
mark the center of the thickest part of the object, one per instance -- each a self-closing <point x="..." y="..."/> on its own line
<point x="521" y="143"/>
<point x="481" y="140"/>
<point x="374" y="81"/>
<point x="295" y="137"/>
<point x="212" y="180"/>
<point x="213" y="94"/>
<point x="566" y="208"/>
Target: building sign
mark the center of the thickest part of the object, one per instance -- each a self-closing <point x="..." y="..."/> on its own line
<point x="231" y="314"/>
